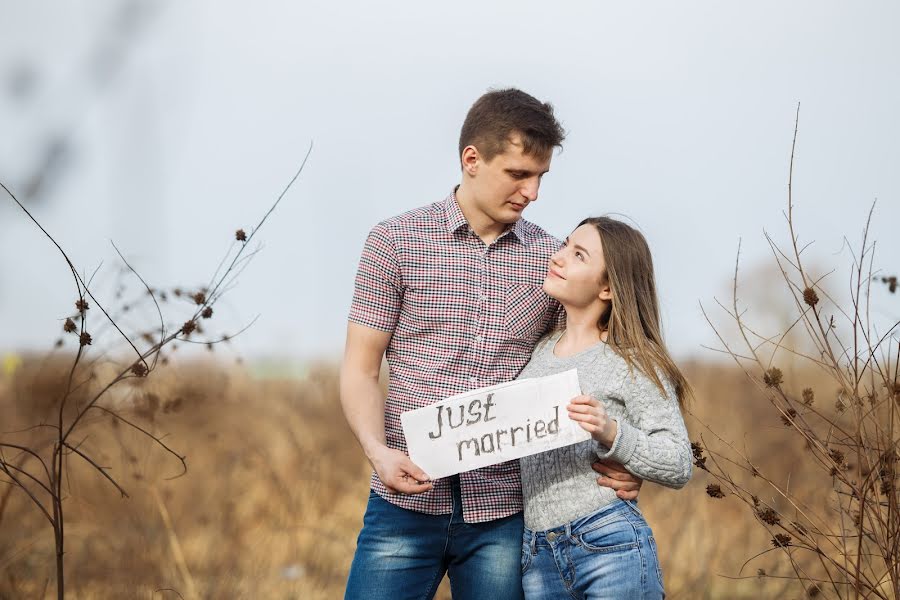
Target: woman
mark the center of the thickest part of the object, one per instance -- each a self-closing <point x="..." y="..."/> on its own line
<point x="581" y="540"/>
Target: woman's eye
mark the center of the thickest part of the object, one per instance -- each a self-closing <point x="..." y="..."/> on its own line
<point x="579" y="255"/>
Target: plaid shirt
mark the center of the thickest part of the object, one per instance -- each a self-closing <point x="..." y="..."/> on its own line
<point x="463" y="315"/>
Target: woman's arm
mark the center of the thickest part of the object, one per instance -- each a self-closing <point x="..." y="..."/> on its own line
<point x="657" y="448"/>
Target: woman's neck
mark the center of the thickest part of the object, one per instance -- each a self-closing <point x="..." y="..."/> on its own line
<point x="581" y="332"/>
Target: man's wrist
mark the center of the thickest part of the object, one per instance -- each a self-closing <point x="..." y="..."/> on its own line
<point x="373" y="448"/>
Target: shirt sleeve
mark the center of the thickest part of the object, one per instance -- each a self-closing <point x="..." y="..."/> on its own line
<point x="377" y="291"/>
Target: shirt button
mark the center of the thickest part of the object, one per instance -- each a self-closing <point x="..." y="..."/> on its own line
<point x="478" y="338"/>
<point x="473" y="380"/>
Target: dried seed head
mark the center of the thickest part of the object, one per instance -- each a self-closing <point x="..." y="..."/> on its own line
<point x="808" y="396"/>
<point x="209" y="346"/>
<point x="699" y="459"/>
<point x="240" y="235"/>
<point x="199" y="298"/>
<point x="207" y="312"/>
<point x="85" y="338"/>
<point x="814" y="591"/>
<point x="839" y="405"/>
<point x="59" y="343"/>
<point x="139" y="369"/>
<point x="69" y="326"/>
<point x="714" y="491"/>
<point x="188" y="327"/>
<point x="760" y="573"/>
<point x="81" y="305"/>
<point x="697" y="449"/>
<point x="177" y="292"/>
<point x="755" y="500"/>
<point x="768" y="516"/>
<point x="781" y="540"/>
<point x="773" y="377"/>
<point x="148" y="337"/>
<point x="837" y="456"/>
<point x="891" y="283"/>
<point x="810" y="297"/>
<point x="893" y="388"/>
<point x="789" y="417"/>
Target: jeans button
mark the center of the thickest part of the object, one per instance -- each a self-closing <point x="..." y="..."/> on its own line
<point x="551" y="537"/>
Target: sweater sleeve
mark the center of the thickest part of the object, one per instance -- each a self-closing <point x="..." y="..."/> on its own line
<point x="657" y="447"/>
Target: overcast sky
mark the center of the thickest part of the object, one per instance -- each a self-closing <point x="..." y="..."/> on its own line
<point x="178" y="122"/>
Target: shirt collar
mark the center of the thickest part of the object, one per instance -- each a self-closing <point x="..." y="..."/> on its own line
<point x="456" y="220"/>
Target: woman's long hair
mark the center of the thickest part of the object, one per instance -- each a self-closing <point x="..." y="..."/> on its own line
<point x="632" y="318"/>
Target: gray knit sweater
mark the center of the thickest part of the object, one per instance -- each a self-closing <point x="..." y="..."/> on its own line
<point x="559" y="485"/>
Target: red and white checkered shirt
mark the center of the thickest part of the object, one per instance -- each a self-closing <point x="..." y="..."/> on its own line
<point x="463" y="315"/>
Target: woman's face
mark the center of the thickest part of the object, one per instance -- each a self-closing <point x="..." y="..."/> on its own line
<point x="577" y="272"/>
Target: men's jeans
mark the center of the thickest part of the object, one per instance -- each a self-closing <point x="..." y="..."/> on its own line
<point x="607" y="555"/>
<point x="402" y="554"/>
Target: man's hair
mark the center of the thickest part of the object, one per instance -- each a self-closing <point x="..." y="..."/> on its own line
<point x="498" y="114"/>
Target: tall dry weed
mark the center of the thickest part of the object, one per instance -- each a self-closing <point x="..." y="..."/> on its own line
<point x="830" y="509"/>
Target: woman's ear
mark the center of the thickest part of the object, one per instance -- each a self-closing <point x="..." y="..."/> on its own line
<point x="605" y="293"/>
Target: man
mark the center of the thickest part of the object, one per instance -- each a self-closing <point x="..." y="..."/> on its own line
<point x="451" y="294"/>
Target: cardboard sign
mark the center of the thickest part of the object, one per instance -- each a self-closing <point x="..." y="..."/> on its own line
<point x="493" y="424"/>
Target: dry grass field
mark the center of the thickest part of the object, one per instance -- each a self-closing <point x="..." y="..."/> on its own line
<point x="276" y="486"/>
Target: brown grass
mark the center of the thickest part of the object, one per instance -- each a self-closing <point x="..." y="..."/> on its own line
<point x="276" y="488"/>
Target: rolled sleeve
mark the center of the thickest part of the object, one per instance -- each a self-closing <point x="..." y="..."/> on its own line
<point x="623" y="446"/>
<point x="377" y="293"/>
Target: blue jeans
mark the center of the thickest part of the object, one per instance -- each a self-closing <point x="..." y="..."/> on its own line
<point x="607" y="555"/>
<point x="403" y="554"/>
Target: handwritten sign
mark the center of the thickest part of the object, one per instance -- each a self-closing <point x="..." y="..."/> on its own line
<point x="493" y="424"/>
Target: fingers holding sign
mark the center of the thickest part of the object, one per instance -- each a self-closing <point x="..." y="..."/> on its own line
<point x="399" y="474"/>
<point x="590" y="413"/>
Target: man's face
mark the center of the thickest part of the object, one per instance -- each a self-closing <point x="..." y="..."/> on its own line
<point x="504" y="186"/>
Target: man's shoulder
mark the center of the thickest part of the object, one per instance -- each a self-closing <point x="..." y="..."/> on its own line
<point x="414" y="218"/>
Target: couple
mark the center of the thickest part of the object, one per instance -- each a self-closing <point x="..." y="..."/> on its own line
<point x="463" y="294"/>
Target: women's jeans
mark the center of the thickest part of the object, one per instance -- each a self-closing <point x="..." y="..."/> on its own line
<point x="607" y="555"/>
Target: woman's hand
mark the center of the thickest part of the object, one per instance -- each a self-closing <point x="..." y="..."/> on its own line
<point x="591" y="415"/>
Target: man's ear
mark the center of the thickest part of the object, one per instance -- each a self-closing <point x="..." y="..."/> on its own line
<point x="470" y="160"/>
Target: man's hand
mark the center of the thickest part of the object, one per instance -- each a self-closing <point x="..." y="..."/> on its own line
<point x="613" y="475"/>
<point x="399" y="474"/>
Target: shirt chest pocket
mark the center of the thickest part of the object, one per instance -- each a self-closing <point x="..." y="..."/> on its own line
<point x="525" y="310"/>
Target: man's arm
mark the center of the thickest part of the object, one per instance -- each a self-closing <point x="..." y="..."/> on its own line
<point x="363" y="405"/>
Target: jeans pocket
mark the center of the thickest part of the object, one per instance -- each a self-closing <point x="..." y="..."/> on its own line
<point x="527" y="557"/>
<point x="617" y="535"/>
<point x="655" y="552"/>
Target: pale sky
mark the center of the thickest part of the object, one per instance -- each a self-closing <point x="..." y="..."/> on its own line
<point x="184" y="123"/>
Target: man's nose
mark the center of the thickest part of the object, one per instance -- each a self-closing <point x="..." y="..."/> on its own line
<point x="530" y="189"/>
